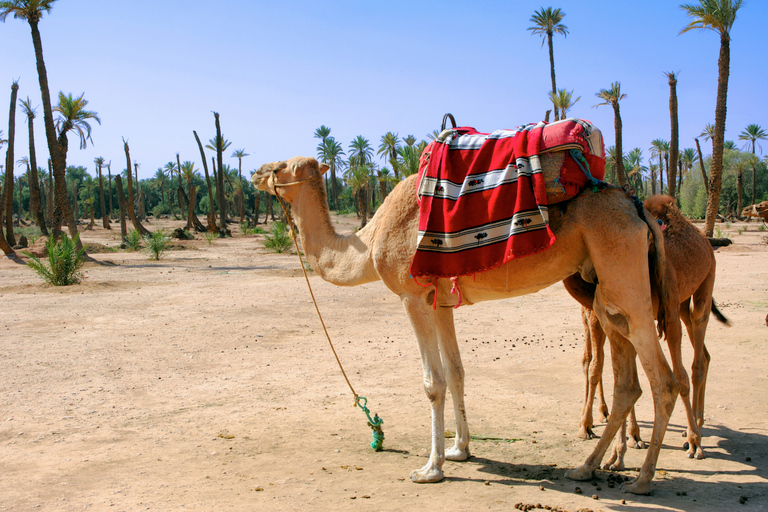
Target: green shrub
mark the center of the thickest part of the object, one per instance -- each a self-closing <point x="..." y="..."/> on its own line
<point x="64" y="261"/>
<point x="157" y="244"/>
<point x="31" y="232"/>
<point x="133" y="241"/>
<point x="210" y="236"/>
<point x="278" y="240"/>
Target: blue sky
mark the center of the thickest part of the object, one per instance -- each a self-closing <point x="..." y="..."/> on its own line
<point x="275" y="71"/>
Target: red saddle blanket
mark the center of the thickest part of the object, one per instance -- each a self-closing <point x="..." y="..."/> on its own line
<point x="483" y="197"/>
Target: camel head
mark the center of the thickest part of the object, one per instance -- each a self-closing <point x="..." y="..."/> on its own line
<point x="284" y="175"/>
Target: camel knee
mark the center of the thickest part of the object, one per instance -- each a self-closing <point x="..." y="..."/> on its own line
<point x="435" y="389"/>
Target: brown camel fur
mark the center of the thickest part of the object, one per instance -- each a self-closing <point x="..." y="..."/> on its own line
<point x="598" y="234"/>
<point x="759" y="210"/>
<point x="691" y="265"/>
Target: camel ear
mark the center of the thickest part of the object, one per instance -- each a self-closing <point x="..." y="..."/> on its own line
<point x="323" y="168"/>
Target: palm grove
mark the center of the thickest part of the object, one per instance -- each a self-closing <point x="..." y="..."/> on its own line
<point x="361" y="173"/>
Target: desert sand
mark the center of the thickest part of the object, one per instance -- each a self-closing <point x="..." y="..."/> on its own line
<point x="203" y="381"/>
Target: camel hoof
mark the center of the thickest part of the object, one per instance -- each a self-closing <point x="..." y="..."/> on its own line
<point x="580" y="474"/>
<point x="635" y="487"/>
<point x="639" y="444"/>
<point x="426" y="475"/>
<point x="456" y="454"/>
<point x="586" y="434"/>
<point x="614" y="466"/>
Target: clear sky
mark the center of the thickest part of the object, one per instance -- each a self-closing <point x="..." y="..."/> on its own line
<point x="154" y="70"/>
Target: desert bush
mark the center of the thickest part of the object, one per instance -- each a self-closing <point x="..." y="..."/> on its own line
<point x="64" y="261"/>
<point x="278" y="240"/>
<point x="156" y="244"/>
<point x="133" y="241"/>
<point x="210" y="236"/>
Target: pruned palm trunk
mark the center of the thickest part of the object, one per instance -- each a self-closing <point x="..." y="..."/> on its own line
<point x="220" y="180"/>
<point x="552" y="72"/>
<point x="104" y="215"/>
<point x="620" y="173"/>
<point x="716" y="173"/>
<point x="123" y="207"/>
<point x="129" y="207"/>
<point x="9" y="164"/>
<point x="211" y="215"/>
<point x="674" y="134"/>
<point x="35" y="200"/>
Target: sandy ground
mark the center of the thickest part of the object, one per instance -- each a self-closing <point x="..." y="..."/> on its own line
<point x="203" y="381"/>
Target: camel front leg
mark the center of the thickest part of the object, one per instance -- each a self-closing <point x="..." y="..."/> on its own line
<point x="454" y="374"/>
<point x="423" y="319"/>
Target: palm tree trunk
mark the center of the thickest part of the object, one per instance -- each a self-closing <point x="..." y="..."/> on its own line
<point x="716" y="173"/>
<point x="674" y="135"/>
<point x="9" y="163"/>
<point x="552" y="71"/>
<point x="334" y="191"/>
<point x="701" y="165"/>
<point x="739" y="191"/>
<point x="129" y="205"/>
<point x="620" y="173"/>
<point x="109" y="186"/>
<point x="220" y="180"/>
<point x="754" y="173"/>
<point x="104" y="215"/>
<point x="75" y="206"/>
<point x="123" y="207"/>
<point x="57" y="152"/>
<point x="211" y="216"/>
<point x="35" y="202"/>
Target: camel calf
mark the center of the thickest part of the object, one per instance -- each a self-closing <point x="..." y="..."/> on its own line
<point x="691" y="265"/>
<point x="759" y="210"/>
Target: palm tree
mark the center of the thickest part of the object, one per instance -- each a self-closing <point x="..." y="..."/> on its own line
<point x="612" y="97"/>
<point x="390" y="142"/>
<point x="35" y="203"/>
<point x="658" y="147"/>
<point x="433" y="135"/>
<point x="322" y="133"/>
<point x="72" y="117"/>
<point x="687" y="160"/>
<point x="360" y="156"/>
<point x="718" y="16"/>
<point x="752" y="134"/>
<point x="189" y="172"/>
<point x="408" y="163"/>
<point x="240" y="154"/>
<point x="109" y="188"/>
<point x="547" y="23"/>
<point x="171" y="169"/>
<point x="740" y="166"/>
<point x="144" y="232"/>
<point x="99" y="161"/>
<point x="221" y="145"/>
<point x="8" y="186"/>
<point x="635" y="169"/>
<point x="211" y="217"/>
<point x="674" y="137"/>
<point x="160" y="178"/>
<point x="563" y="102"/>
<point x="331" y="153"/>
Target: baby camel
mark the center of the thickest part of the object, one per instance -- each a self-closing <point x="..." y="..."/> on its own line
<point x="598" y="234"/>
<point x="691" y="265"/>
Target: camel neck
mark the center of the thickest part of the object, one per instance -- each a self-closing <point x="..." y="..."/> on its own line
<point x="338" y="259"/>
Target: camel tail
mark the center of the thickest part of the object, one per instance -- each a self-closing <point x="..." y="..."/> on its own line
<point x="721" y="317"/>
<point x="657" y="263"/>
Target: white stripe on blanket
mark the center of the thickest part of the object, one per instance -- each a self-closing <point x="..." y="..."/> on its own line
<point x="486" y="234"/>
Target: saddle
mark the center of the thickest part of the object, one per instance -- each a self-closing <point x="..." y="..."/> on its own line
<point x="483" y="197"/>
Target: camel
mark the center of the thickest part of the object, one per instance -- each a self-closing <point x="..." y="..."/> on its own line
<point x="691" y="265"/>
<point x="759" y="210"/>
<point x="601" y="235"/>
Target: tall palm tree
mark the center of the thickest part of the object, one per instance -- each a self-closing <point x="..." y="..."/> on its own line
<point x="635" y="169"/>
<point x="160" y="178"/>
<point x="408" y="163"/>
<point x="221" y="145"/>
<point x="322" y="133"/>
<point x="211" y="217"/>
<point x="8" y="186"/>
<point x="72" y="117"/>
<point x="674" y="138"/>
<point x="331" y="152"/>
<point x="360" y="156"/>
<point x="109" y="188"/>
<point x="129" y="201"/>
<point x="752" y="134"/>
<point x="612" y="97"/>
<point x="388" y="146"/>
<point x="718" y="16"/>
<point x="658" y="147"/>
<point x="99" y="161"/>
<point x="35" y="203"/>
<point x="563" y="101"/>
<point x="687" y="159"/>
<point x="547" y="24"/>
<point x="189" y="172"/>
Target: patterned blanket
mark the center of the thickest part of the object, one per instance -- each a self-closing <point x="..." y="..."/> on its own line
<point x="483" y="197"/>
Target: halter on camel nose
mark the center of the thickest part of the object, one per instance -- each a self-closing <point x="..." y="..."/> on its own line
<point x="276" y="184"/>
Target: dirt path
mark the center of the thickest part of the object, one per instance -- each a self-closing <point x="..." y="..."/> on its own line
<point x="204" y="382"/>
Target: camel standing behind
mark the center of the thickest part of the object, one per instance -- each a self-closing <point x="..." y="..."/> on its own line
<point x="691" y="265"/>
<point x="598" y="235"/>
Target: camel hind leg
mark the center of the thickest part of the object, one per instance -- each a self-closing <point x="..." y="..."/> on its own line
<point x="592" y="363"/>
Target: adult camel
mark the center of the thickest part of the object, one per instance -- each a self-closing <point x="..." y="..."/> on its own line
<point x="601" y="235"/>
<point x="691" y="266"/>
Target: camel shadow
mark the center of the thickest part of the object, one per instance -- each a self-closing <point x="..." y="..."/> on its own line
<point x="743" y="484"/>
